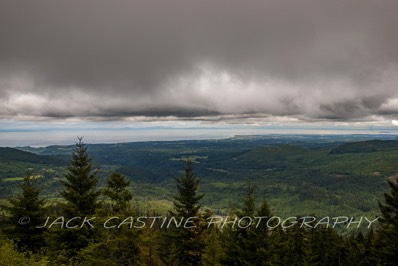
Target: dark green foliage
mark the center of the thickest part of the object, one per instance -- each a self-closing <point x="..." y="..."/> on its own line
<point x="186" y="244"/>
<point x="117" y="191"/>
<point x="26" y="211"/>
<point x="249" y="246"/>
<point x="296" y="246"/>
<point x="318" y="176"/>
<point x="263" y="245"/>
<point x="213" y="254"/>
<point x="80" y="193"/>
<point x="187" y="200"/>
<point x="389" y="224"/>
<point x="241" y="242"/>
<point x="116" y="246"/>
<point x="325" y="246"/>
<point x="361" y="250"/>
<point x="119" y="247"/>
<point x="366" y="146"/>
<point x="80" y="187"/>
<point x="12" y="154"/>
<point x="10" y="255"/>
<point x="150" y="246"/>
<point x="249" y="200"/>
<point x="283" y="168"/>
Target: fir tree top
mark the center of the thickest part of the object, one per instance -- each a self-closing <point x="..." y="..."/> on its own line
<point x="186" y="202"/>
<point x="80" y="187"/>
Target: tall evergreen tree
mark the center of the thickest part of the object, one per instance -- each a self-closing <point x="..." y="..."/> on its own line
<point x="242" y="242"/>
<point x="188" y="242"/>
<point x="116" y="190"/>
<point x="262" y="233"/>
<point x="389" y="225"/>
<point x="213" y="253"/>
<point x="324" y="247"/>
<point x="249" y="201"/>
<point x="26" y="211"/>
<point x="187" y="201"/>
<point x="80" y="187"/>
<point x="149" y="246"/>
<point x="116" y="246"/>
<point x="296" y="246"/>
<point x="80" y="193"/>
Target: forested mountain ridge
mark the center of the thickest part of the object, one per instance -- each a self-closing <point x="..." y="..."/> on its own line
<point x="103" y="226"/>
<point x="298" y="174"/>
<point x="13" y="154"/>
<point x="366" y="146"/>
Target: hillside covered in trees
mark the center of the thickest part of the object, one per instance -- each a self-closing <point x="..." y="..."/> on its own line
<point x="91" y="224"/>
<point x="297" y="174"/>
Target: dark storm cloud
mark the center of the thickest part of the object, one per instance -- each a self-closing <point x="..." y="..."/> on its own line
<point x="101" y="58"/>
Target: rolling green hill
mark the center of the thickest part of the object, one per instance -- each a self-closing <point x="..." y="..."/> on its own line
<point x="366" y="146"/>
<point x="14" y="164"/>
<point x="298" y="175"/>
<point x="11" y="154"/>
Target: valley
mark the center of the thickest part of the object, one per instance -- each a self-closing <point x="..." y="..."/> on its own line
<point x="323" y="175"/>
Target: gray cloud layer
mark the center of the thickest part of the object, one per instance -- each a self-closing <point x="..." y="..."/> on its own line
<point x="308" y="59"/>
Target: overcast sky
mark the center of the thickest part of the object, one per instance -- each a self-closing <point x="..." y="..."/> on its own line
<point x="231" y="62"/>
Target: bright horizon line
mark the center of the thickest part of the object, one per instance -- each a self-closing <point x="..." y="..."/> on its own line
<point x="114" y="136"/>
